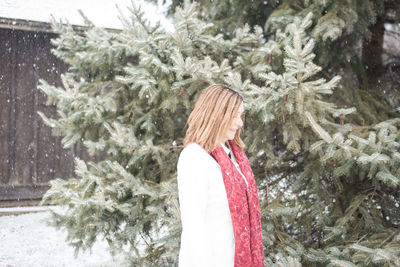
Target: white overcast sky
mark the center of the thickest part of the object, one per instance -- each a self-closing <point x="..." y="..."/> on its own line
<point x="103" y="13"/>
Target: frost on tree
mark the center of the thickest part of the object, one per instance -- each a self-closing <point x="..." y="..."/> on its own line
<point x="328" y="188"/>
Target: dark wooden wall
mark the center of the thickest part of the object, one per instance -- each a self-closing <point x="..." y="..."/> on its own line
<point x="29" y="155"/>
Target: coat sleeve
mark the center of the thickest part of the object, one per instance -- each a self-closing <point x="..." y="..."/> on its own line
<point x="193" y="171"/>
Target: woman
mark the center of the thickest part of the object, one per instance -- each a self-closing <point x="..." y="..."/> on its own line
<point x="218" y="198"/>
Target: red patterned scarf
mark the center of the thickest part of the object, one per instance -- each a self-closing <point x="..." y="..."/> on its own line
<point x="243" y="206"/>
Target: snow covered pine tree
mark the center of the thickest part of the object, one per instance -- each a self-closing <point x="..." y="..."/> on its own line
<point x="328" y="190"/>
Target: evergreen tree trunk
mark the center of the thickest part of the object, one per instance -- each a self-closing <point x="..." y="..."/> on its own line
<point x="372" y="49"/>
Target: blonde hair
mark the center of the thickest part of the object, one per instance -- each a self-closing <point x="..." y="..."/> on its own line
<point x="212" y="117"/>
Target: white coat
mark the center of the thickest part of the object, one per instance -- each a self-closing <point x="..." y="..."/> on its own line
<point x="207" y="238"/>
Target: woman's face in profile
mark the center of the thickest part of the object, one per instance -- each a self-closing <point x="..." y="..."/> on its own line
<point x="237" y="123"/>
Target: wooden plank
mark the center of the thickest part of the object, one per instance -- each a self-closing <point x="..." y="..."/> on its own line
<point x="5" y="102"/>
<point x="45" y="156"/>
<point x="53" y="161"/>
<point x="19" y="203"/>
<point x="22" y="192"/>
<point x="25" y="107"/>
<point x="35" y="26"/>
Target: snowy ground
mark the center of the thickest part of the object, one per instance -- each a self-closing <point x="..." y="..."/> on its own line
<point x="26" y="240"/>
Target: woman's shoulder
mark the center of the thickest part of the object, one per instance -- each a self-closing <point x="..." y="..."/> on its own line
<point x="193" y="149"/>
<point x="195" y="153"/>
